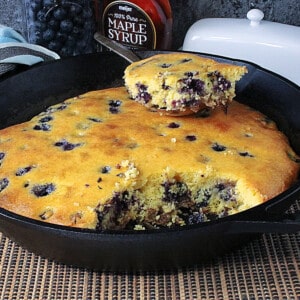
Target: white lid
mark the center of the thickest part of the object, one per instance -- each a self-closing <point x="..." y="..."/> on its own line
<point x="271" y="45"/>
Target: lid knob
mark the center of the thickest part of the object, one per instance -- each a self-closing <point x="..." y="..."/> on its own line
<point x="255" y="16"/>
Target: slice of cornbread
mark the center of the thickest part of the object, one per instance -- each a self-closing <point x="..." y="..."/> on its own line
<point x="182" y="81"/>
<point x="103" y="161"/>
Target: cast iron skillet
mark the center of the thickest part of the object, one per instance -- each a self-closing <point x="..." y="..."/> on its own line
<point x="28" y="93"/>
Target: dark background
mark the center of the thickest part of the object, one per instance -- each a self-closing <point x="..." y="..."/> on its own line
<point x="185" y="13"/>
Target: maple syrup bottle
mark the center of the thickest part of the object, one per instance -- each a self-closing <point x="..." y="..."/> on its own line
<point x="138" y="24"/>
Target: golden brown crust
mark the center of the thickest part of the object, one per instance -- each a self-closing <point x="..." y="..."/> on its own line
<point x="65" y="165"/>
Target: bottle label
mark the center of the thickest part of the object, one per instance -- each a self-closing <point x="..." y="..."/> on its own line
<point x="129" y="25"/>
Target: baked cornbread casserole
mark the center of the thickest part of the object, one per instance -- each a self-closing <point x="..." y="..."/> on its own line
<point x="103" y="161"/>
<point x="182" y="82"/>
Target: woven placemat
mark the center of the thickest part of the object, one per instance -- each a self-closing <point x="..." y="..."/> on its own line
<point x="266" y="268"/>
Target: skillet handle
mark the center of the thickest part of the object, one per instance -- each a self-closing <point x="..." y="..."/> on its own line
<point x="116" y="47"/>
<point x="291" y="224"/>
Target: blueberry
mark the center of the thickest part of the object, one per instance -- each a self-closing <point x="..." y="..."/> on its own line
<point x="75" y="10"/>
<point x="2" y="154"/>
<point x="96" y="120"/>
<point x="53" y="24"/>
<point x="220" y="83"/>
<point x="185" y="60"/>
<point x="225" y="190"/>
<point x="192" y="86"/>
<point x="143" y="95"/>
<point x="164" y="66"/>
<point x="42" y="127"/>
<point x="59" y="144"/>
<point x="226" y="195"/>
<point x="87" y="13"/>
<point x="176" y="192"/>
<point x="46" y="119"/>
<point x="114" y="110"/>
<point x="55" y="46"/>
<point x="23" y="171"/>
<point x="56" y="108"/>
<point x="174" y="125"/>
<point x="190" y="74"/>
<point x="105" y="169"/>
<point x="115" y="103"/>
<point x="40" y="26"/>
<point x="43" y="189"/>
<point x="59" y="13"/>
<point x="49" y="3"/>
<point x="116" y="208"/>
<point x="3" y="183"/>
<point x="203" y="197"/>
<point x="48" y="35"/>
<point x="36" y="6"/>
<point x="246" y="154"/>
<point x="191" y="138"/>
<point x="66" y="146"/>
<point x="69" y="146"/>
<point x="217" y="147"/>
<point x="77" y="31"/>
<point x="79" y="21"/>
<point x="195" y="218"/>
<point x="66" y="26"/>
<point x="114" y="106"/>
<point x="41" y="15"/>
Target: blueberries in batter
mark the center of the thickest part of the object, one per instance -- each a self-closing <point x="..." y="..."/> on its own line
<point x="23" y="171"/>
<point x="185" y="60"/>
<point x="114" y="106"/>
<point x="246" y="154"/>
<point x="191" y="85"/>
<point x="43" y="124"/>
<point x="46" y="119"/>
<point x="3" y="184"/>
<point x="177" y="192"/>
<point x="53" y="109"/>
<point x="220" y="83"/>
<point x="174" y="125"/>
<point x="165" y="66"/>
<point x="218" y="148"/>
<point x="42" y="190"/>
<point x="195" y="217"/>
<point x="42" y="127"/>
<point x="143" y="95"/>
<point x="105" y="169"/>
<point x="66" y="146"/>
<point x="2" y="155"/>
<point x="191" y="138"/>
<point x="96" y="120"/>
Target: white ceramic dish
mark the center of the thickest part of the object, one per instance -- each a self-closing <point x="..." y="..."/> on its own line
<point x="271" y="45"/>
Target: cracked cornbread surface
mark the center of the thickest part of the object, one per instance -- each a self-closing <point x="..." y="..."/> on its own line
<point x="103" y="161"/>
<point x="182" y="81"/>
